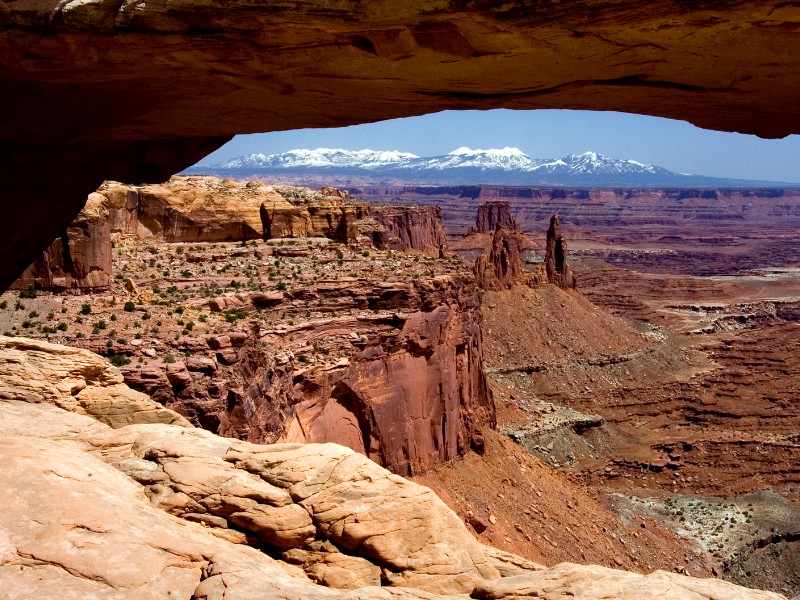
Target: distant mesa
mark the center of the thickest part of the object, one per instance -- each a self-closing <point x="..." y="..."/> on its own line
<point x="505" y="166"/>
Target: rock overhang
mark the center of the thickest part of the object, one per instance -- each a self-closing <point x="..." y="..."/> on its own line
<point x="137" y="90"/>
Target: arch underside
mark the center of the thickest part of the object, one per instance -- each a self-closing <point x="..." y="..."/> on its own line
<point x="105" y="89"/>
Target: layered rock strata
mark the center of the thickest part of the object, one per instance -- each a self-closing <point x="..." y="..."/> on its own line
<point x="79" y="260"/>
<point x="409" y="228"/>
<point x="408" y="389"/>
<point x="157" y="510"/>
<point x="555" y="260"/>
<point x="188" y="209"/>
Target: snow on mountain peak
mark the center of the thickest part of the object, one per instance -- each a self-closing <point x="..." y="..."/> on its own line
<point x="508" y="160"/>
<point x="500" y="152"/>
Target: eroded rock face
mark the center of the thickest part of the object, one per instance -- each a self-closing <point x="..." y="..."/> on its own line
<point x="75" y="380"/>
<point x="79" y="260"/>
<point x="410" y="392"/>
<point x="555" y="259"/>
<point x="151" y="510"/>
<point x="502" y="267"/>
<point x="492" y="215"/>
<point x="188" y="209"/>
<point x="238" y="68"/>
<point x="410" y="228"/>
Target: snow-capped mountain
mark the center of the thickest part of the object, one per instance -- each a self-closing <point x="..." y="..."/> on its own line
<point x="506" y="166"/>
<point x="321" y="158"/>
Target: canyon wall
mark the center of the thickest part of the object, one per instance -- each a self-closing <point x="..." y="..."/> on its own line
<point x="408" y="390"/>
<point x="79" y="260"/>
<point x="410" y="228"/>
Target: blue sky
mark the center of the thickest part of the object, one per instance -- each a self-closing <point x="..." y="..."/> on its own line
<point x="675" y="145"/>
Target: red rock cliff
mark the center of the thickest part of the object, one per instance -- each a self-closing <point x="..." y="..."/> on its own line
<point x="555" y="260"/>
<point x="80" y="259"/>
<point x="492" y="215"/>
<point x="410" y="391"/>
<point x="410" y="228"/>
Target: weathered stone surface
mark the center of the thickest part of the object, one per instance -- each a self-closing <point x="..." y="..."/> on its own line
<point x="590" y="582"/>
<point x="412" y="393"/>
<point x="90" y="511"/>
<point x="76" y="380"/>
<point x="188" y="209"/>
<point x="492" y="215"/>
<point x="410" y="228"/>
<point x="502" y="267"/>
<point x="555" y="259"/>
<point x="238" y="68"/>
<point x="80" y="258"/>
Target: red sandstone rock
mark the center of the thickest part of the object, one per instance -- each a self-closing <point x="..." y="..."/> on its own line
<point x="492" y="215"/>
<point x="555" y="261"/>
<point x="410" y="228"/>
<point x="80" y="259"/>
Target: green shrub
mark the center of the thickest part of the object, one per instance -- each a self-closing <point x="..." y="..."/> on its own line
<point x="61" y="326"/>
<point x="29" y="292"/>
<point x="129" y="306"/>
<point x="169" y="359"/>
<point x="85" y="309"/>
<point x="118" y="360"/>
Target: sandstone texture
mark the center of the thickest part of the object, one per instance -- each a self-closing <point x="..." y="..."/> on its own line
<point x="238" y="68"/>
<point x="79" y="260"/>
<point x="189" y="209"/>
<point x="153" y="510"/>
<point x="401" y="381"/>
<point x="504" y="265"/>
<point x="75" y="380"/>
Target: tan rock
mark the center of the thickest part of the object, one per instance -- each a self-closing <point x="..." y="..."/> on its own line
<point x="75" y="380"/>
<point x="590" y="582"/>
<point x="85" y="514"/>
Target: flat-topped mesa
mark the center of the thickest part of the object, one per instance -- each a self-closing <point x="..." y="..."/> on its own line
<point x="79" y="260"/>
<point x="492" y="215"/>
<point x="555" y="260"/>
<point x="187" y="209"/>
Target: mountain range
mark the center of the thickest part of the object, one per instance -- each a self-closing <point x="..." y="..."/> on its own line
<point x="506" y="166"/>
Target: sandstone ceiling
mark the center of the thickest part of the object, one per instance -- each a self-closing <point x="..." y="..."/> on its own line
<point x="138" y="89"/>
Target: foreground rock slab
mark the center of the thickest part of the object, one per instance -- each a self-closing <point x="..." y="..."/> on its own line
<point x="156" y="510"/>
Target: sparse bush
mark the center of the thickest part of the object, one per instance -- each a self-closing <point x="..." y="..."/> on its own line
<point x="61" y="326"/>
<point x="129" y="306"/>
<point x="33" y="314"/>
<point x="85" y="309"/>
<point x="3" y="305"/>
<point x="29" y="292"/>
<point x="118" y="360"/>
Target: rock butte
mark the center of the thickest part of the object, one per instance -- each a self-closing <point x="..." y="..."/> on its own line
<point x="135" y="91"/>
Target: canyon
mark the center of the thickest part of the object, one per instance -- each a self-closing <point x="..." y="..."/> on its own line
<point x="557" y="424"/>
<point x="106" y="494"/>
